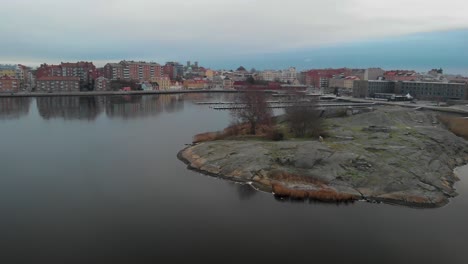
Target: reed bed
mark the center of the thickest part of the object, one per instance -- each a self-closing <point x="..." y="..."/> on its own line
<point x="459" y="126"/>
<point x="322" y="195"/>
<point x="283" y="176"/>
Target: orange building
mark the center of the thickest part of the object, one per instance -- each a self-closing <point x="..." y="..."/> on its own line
<point x="195" y="84"/>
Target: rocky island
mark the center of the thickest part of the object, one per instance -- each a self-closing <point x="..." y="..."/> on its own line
<point x="389" y="154"/>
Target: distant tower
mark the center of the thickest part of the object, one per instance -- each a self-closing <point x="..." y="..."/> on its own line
<point x="196" y="64"/>
<point x="188" y="63"/>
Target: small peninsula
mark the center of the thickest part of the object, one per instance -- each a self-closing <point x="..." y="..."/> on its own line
<point x="386" y="154"/>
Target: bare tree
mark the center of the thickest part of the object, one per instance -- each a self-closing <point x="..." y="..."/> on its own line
<point x="304" y="119"/>
<point x="252" y="108"/>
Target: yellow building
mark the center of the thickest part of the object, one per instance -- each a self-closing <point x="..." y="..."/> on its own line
<point x="209" y="74"/>
<point x="195" y="84"/>
<point x="8" y="72"/>
<point x="164" y="83"/>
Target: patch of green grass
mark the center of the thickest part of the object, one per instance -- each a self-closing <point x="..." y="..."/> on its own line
<point x="336" y="146"/>
<point x="353" y="175"/>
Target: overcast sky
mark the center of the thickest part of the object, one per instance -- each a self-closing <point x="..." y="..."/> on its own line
<point x="103" y="30"/>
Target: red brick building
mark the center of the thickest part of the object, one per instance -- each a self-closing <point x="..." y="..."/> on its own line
<point x="102" y="84"/>
<point x="46" y="70"/>
<point x="58" y="84"/>
<point x="169" y="70"/>
<point x="320" y="78"/>
<point x="131" y="70"/>
<point x="85" y="71"/>
<point x="9" y="84"/>
<point x="116" y="71"/>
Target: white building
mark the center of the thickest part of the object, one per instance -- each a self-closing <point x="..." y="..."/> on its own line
<point x="373" y="74"/>
<point x="289" y="75"/>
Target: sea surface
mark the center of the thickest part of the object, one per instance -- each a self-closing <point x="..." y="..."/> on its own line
<point x="97" y="180"/>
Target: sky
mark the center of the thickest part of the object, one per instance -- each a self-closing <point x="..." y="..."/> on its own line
<point x="261" y="34"/>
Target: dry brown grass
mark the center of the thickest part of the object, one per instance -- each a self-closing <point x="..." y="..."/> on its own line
<point x="204" y="137"/>
<point x="459" y="126"/>
<point x="292" y="178"/>
<point x="323" y="195"/>
<point x="232" y="131"/>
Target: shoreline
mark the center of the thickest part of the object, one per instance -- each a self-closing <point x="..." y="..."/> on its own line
<point x="262" y="187"/>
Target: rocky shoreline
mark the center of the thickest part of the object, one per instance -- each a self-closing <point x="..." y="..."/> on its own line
<point x="391" y="154"/>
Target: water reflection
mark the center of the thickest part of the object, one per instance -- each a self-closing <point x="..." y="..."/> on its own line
<point x="102" y="198"/>
<point x="84" y="108"/>
<point x="89" y="108"/>
<point x="127" y="107"/>
<point x="245" y="191"/>
<point x="14" y="108"/>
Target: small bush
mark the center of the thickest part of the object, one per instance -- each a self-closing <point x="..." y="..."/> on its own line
<point x="275" y="135"/>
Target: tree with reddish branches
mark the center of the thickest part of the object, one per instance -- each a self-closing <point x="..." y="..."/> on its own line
<point x="252" y="108"/>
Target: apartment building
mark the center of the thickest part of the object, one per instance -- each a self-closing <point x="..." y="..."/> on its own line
<point x="433" y="90"/>
<point x="162" y="83"/>
<point x="132" y="70"/>
<point x="9" y="84"/>
<point x="86" y="72"/>
<point x="58" y="84"/>
<point x="363" y="88"/>
<point x="102" y="84"/>
<point x="418" y="90"/>
<point x="372" y="74"/>
<point x="320" y="78"/>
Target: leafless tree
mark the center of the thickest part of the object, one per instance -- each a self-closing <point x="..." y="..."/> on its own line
<point x="304" y="119"/>
<point x="252" y="108"/>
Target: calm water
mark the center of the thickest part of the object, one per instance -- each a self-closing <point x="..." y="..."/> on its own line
<point x="96" y="180"/>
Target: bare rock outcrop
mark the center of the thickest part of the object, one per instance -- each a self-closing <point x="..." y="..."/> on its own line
<point x="396" y="156"/>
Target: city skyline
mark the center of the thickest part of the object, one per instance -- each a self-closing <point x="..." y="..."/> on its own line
<point x="306" y="34"/>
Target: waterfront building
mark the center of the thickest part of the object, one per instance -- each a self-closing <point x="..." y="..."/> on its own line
<point x="102" y="84"/>
<point x="132" y="70"/>
<point x="418" y="90"/>
<point x="433" y="90"/>
<point x="116" y="71"/>
<point x="8" y="70"/>
<point x="161" y="83"/>
<point x="86" y="72"/>
<point x="143" y="71"/>
<point x="58" y="84"/>
<point x="9" y="84"/>
<point x="222" y="82"/>
<point x="195" y="84"/>
<point x="20" y="72"/>
<point x="169" y="69"/>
